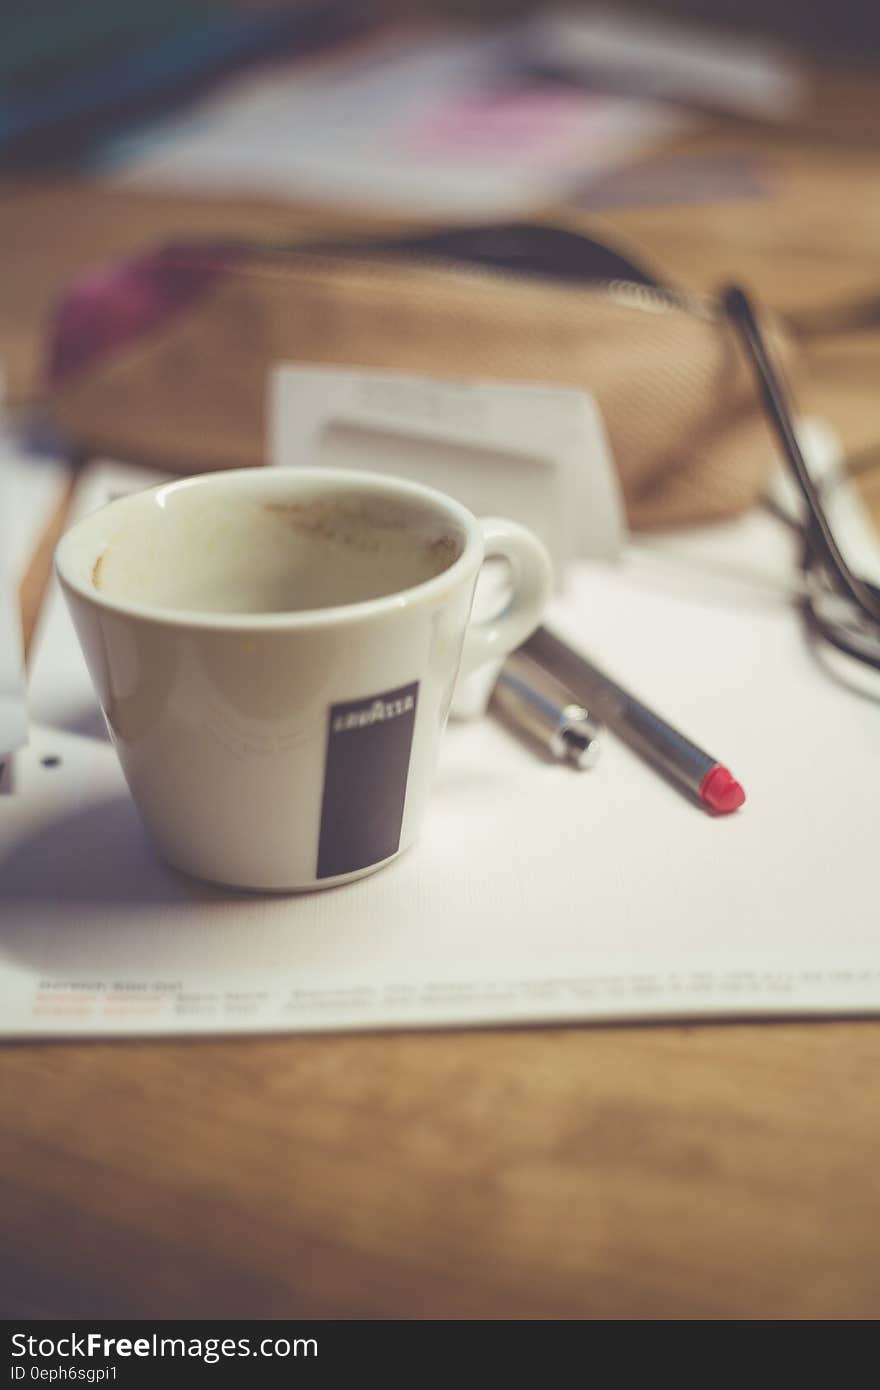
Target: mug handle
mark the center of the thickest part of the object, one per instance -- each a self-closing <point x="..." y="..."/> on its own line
<point x="532" y="576"/>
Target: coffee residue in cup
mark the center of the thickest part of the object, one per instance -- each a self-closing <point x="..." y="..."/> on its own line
<point x="444" y="551"/>
<point x="96" y="570"/>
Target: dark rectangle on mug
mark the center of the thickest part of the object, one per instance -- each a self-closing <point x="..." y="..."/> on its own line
<point x="365" y="776"/>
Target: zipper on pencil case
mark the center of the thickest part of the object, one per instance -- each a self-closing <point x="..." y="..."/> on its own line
<point x="628" y="284"/>
<point x="515" y="253"/>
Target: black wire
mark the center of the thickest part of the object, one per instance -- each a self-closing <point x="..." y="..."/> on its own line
<point x="818" y="532"/>
<point x="838" y="637"/>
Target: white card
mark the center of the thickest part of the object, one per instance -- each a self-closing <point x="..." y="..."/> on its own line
<point x="536" y="454"/>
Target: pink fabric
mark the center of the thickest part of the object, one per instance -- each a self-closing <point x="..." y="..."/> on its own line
<point x="112" y="307"/>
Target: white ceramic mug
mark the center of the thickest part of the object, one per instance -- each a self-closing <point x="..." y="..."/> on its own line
<point x="275" y="653"/>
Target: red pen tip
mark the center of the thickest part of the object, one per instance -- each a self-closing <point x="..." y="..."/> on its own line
<point x="720" y="790"/>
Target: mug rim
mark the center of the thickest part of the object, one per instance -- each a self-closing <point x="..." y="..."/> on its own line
<point x="398" y="601"/>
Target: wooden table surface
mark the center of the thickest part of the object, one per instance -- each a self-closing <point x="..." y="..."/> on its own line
<point x="700" y="1171"/>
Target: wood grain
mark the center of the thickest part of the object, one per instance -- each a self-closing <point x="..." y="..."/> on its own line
<point x="709" y="1171"/>
<point x="703" y="1172"/>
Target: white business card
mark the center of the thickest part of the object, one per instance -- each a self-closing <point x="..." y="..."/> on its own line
<point x="536" y="454"/>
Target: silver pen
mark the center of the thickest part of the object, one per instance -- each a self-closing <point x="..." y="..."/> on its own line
<point x="534" y="703"/>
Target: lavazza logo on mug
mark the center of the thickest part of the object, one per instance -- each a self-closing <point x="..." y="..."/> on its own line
<point x="373" y="713"/>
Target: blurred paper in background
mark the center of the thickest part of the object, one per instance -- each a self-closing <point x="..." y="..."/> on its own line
<point x="321" y="100"/>
<point x="444" y="122"/>
<point x="655" y="56"/>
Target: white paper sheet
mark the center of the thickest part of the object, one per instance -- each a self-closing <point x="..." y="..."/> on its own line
<point x="537" y="893"/>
